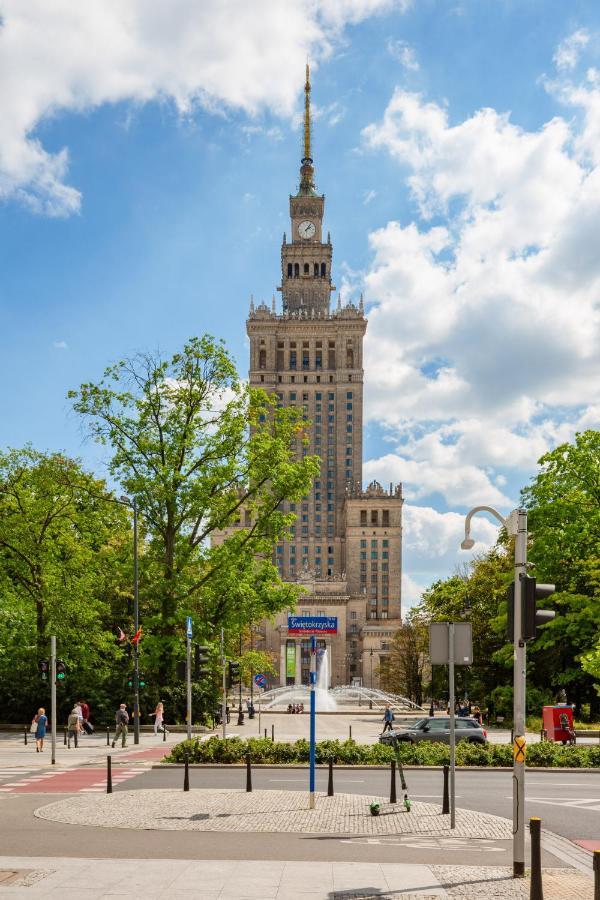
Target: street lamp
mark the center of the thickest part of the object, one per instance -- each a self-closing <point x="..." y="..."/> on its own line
<point x="516" y="526"/>
<point x="371" y="682"/>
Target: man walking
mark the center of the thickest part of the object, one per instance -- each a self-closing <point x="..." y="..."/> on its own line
<point x="73" y="727"/>
<point x="122" y="720"/>
<point x="388" y="718"/>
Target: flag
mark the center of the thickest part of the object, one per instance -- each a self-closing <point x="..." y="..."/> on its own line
<point x="121" y="635"/>
<point x="135" y="639"/>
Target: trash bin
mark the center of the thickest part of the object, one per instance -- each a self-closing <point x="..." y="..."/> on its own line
<point x="558" y="723"/>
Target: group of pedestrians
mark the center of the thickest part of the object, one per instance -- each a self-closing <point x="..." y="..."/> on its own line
<point x="78" y="723"/>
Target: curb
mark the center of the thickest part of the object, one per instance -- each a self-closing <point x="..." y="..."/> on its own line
<point x="569" y="852"/>
<point x="374" y="768"/>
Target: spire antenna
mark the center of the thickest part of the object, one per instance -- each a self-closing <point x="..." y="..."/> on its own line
<point x="307" y="183"/>
<point x="307" y="114"/>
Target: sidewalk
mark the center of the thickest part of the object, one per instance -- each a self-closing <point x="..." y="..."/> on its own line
<point x="270" y="880"/>
<point x="91" y="749"/>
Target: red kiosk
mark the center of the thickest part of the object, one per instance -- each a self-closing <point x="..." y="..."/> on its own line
<point x="558" y="723"/>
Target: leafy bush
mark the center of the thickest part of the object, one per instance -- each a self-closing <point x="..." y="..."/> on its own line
<point x="262" y="750"/>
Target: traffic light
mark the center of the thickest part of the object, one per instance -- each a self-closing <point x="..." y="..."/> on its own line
<point x="532" y="618"/>
<point x="130" y="679"/>
<point x="44" y="668"/>
<point x="142" y="680"/>
<point x="201" y="660"/>
<point x="235" y="674"/>
<point x="61" y="670"/>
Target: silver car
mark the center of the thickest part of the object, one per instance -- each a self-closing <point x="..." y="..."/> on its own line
<point x="437" y="728"/>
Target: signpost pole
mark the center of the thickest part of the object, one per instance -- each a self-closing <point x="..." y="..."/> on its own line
<point x="452" y="731"/>
<point x="188" y="676"/>
<point x="313" y="710"/>
<point x="519" y="669"/>
<point x="259" y="696"/>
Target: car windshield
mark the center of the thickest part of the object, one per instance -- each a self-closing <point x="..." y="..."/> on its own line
<point x="419" y="723"/>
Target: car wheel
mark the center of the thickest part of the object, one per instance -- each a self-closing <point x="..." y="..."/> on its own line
<point x="476" y="741"/>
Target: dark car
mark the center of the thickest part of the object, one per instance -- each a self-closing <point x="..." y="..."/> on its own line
<point x="437" y="728"/>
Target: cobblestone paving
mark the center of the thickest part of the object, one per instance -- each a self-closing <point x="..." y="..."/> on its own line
<point x="497" y="882"/>
<point x="265" y="811"/>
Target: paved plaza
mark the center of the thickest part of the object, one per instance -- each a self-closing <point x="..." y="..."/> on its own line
<point x="266" y="811"/>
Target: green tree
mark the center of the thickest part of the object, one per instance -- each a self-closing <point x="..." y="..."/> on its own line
<point x="64" y="556"/>
<point x="209" y="461"/>
<point x="406" y="666"/>
<point x="563" y="503"/>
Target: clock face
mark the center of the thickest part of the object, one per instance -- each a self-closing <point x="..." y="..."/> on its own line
<point x="306" y="230"/>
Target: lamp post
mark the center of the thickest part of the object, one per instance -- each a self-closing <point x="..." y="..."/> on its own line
<point x="516" y="526"/>
<point x="371" y="680"/>
<point x="136" y="620"/>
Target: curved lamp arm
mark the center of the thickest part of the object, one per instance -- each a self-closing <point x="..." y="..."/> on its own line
<point x="468" y="542"/>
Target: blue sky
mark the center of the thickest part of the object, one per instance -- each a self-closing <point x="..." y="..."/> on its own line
<point x="146" y="159"/>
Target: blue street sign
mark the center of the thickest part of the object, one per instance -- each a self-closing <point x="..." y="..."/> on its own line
<point x="260" y="680"/>
<point x="188" y="627"/>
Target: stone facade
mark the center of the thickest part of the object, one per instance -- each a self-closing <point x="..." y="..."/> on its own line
<point x="346" y="545"/>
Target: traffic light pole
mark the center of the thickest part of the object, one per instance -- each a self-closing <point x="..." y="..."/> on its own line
<point x="224" y="697"/>
<point x="53" y="695"/>
<point x="136" y="616"/>
<point x="519" y="675"/>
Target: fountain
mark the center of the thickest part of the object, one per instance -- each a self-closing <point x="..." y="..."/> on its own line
<point x="324" y="700"/>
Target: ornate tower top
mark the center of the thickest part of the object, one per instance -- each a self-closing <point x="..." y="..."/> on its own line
<point x="307" y="184"/>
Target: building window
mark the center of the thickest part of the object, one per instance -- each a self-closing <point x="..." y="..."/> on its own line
<point x="386" y="517"/>
<point x="262" y="359"/>
<point x="373" y="554"/>
<point x="353" y="614"/>
<point x="363" y="554"/>
<point x="374" y="517"/>
<point x="363" y="543"/>
<point x="292" y="359"/>
<point x="363" y="517"/>
<point x="306" y="269"/>
<point x="385" y="542"/>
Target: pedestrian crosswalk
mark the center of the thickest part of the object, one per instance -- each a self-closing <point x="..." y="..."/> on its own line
<point x="70" y="781"/>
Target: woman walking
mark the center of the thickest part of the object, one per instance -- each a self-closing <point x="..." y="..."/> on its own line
<point x="159" y="716"/>
<point x="40" y="732"/>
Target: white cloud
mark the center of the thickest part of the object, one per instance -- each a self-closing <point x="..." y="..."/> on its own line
<point x="567" y="52"/>
<point x="481" y="350"/>
<point x="60" y="345"/>
<point x="404" y="53"/>
<point x="369" y="196"/>
<point x="68" y="56"/>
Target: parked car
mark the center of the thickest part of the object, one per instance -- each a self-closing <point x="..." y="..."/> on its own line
<point x="437" y="728"/>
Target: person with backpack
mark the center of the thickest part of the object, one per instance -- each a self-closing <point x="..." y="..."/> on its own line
<point x="122" y="721"/>
<point x="388" y="718"/>
<point x="73" y="727"/>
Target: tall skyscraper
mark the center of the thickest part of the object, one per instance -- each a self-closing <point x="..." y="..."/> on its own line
<point x="346" y="545"/>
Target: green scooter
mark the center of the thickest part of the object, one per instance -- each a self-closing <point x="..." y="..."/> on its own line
<point x="375" y="808"/>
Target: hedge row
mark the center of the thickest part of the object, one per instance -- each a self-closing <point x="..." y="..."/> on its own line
<point x="262" y="750"/>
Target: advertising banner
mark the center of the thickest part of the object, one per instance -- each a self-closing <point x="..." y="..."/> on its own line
<point x="312" y="624"/>
<point x="290" y="660"/>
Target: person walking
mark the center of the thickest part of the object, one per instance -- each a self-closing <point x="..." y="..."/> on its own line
<point x="41" y="721"/>
<point x="388" y="718"/>
<point x="159" y="718"/>
<point x="86" y="727"/>
<point x="73" y="728"/>
<point x="122" y="721"/>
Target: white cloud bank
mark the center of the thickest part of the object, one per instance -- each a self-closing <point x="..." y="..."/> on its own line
<point x="482" y="347"/>
<point x="73" y="56"/>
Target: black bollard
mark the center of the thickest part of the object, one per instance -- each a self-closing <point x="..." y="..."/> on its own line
<point x="349" y="732"/>
<point x="330" y="781"/>
<point x="248" y="774"/>
<point x="186" y="776"/>
<point x="25" y="733"/>
<point x="273" y="732"/>
<point x="446" y="795"/>
<point x="596" y="874"/>
<point x="107" y="736"/>
<point x="536" y="891"/>
<point x="164" y="732"/>
<point x="109" y="774"/>
<point x="265" y="734"/>
<point x="393" y="783"/>
<point x="65" y="738"/>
